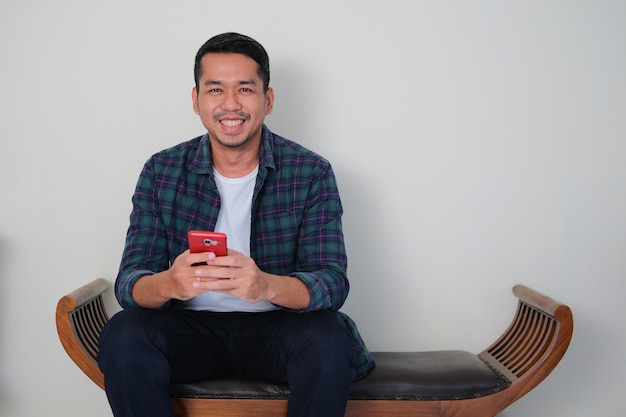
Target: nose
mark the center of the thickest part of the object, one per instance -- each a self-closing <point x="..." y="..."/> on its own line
<point x="231" y="101"/>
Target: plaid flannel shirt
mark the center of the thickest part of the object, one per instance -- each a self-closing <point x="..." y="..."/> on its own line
<point x="295" y="227"/>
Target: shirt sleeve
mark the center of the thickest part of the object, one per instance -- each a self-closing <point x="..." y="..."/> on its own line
<point x="321" y="247"/>
<point x="146" y="247"/>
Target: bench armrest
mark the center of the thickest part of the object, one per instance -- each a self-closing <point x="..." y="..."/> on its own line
<point x="80" y="317"/>
<point x="534" y="343"/>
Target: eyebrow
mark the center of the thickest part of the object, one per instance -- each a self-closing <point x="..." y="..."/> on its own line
<point x="217" y="82"/>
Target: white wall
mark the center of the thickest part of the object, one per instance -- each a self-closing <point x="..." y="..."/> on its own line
<point x="476" y="144"/>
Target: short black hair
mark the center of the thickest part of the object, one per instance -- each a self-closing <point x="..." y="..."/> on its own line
<point x="235" y="43"/>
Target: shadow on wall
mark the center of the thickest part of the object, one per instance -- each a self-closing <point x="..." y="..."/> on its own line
<point x="4" y="379"/>
<point x="295" y="113"/>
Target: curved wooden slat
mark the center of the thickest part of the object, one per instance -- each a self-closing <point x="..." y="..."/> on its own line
<point x="80" y="316"/>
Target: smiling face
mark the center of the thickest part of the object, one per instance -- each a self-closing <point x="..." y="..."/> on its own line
<point x="230" y="100"/>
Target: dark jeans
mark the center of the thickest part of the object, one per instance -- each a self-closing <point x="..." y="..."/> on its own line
<point x="142" y="351"/>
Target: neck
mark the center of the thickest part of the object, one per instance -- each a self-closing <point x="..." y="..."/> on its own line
<point x="235" y="162"/>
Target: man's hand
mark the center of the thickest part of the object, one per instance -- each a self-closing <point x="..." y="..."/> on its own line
<point x="239" y="275"/>
<point x="153" y="291"/>
<point x="192" y="274"/>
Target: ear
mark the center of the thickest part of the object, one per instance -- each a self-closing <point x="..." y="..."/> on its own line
<point x="194" y="99"/>
<point x="269" y="101"/>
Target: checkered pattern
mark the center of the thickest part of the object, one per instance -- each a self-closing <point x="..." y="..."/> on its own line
<point x="296" y="220"/>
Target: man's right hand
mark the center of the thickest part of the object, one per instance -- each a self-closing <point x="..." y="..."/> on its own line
<point x="177" y="282"/>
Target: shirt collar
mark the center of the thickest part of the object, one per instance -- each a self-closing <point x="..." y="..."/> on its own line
<point x="202" y="160"/>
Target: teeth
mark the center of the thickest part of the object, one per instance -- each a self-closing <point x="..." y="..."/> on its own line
<point x="231" y="122"/>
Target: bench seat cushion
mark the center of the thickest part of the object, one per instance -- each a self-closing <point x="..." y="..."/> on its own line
<point x="437" y="375"/>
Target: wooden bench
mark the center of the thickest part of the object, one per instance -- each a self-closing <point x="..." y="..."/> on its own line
<point x="425" y="384"/>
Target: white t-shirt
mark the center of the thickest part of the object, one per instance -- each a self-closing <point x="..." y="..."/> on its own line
<point x="234" y="219"/>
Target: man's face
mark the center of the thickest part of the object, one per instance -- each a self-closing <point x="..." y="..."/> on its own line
<point x="230" y="99"/>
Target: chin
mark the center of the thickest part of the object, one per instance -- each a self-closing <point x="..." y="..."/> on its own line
<point x="232" y="142"/>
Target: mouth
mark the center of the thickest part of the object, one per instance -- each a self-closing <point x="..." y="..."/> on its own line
<point x="231" y="122"/>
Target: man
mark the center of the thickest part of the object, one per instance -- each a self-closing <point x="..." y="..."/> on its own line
<point x="269" y="308"/>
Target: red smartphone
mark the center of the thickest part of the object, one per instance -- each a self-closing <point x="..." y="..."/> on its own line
<point x="207" y="242"/>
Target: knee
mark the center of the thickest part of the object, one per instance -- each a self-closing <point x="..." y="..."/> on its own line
<point x="125" y="328"/>
<point x="128" y="332"/>
<point x="326" y="336"/>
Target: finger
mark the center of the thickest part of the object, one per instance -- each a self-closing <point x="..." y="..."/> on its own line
<point x="202" y="258"/>
<point x="196" y="282"/>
